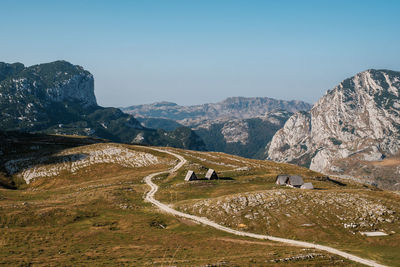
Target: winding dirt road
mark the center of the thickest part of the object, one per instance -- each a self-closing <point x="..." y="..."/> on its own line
<point x="150" y="197"/>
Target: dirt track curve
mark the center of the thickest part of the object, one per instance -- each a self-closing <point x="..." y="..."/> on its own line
<point x="150" y="197"/>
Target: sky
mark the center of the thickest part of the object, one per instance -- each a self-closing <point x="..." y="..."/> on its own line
<point x="199" y="51"/>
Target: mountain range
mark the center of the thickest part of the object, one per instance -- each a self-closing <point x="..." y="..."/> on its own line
<point x="237" y="125"/>
<point x="353" y="131"/>
<point x="232" y="107"/>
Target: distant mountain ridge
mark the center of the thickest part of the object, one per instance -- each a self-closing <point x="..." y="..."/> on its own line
<point x="232" y="107"/>
<point x="58" y="98"/>
<point x="350" y="129"/>
<point x="238" y="125"/>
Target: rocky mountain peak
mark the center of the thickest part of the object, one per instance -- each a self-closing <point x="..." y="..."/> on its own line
<point x="371" y="82"/>
<point x="360" y="118"/>
<point x="56" y="81"/>
<point x="65" y="81"/>
<point x="33" y="97"/>
<point x="7" y="69"/>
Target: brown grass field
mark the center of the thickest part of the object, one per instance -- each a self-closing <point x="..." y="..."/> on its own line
<point x="97" y="216"/>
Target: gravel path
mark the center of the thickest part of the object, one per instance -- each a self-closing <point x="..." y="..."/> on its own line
<point x="150" y="197"/>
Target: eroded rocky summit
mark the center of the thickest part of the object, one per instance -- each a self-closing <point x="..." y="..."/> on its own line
<point x="358" y="119"/>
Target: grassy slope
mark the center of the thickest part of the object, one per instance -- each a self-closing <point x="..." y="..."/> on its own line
<point x="97" y="217"/>
<point x="326" y="227"/>
<point x="237" y="175"/>
<point x="383" y="173"/>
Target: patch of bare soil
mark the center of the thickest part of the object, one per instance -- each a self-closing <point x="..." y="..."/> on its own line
<point x="387" y="162"/>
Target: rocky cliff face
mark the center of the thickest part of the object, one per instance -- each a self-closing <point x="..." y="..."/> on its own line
<point x="359" y="118"/>
<point x="28" y="94"/>
<point x="242" y="137"/>
<point x="56" y="81"/>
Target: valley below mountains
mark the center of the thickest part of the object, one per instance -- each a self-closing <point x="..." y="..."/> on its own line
<point x="238" y="125"/>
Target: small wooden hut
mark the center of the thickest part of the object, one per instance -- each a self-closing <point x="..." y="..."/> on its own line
<point x="307" y="186"/>
<point x="190" y="176"/>
<point x="282" y="179"/>
<point x="289" y="180"/>
<point x="295" y="181"/>
<point x="211" y="175"/>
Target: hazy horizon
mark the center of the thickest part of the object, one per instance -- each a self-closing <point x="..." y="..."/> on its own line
<point x="190" y="53"/>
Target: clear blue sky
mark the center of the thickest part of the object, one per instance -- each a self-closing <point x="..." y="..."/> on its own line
<point x="192" y="52"/>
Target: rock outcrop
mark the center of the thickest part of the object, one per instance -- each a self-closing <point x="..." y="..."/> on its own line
<point x="56" y="81"/>
<point x="29" y="95"/>
<point x="242" y="137"/>
<point x="359" y="118"/>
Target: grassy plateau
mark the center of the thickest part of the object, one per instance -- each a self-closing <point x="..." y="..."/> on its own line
<point x="84" y="206"/>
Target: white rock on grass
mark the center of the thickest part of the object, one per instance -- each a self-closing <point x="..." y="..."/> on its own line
<point x="75" y="159"/>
